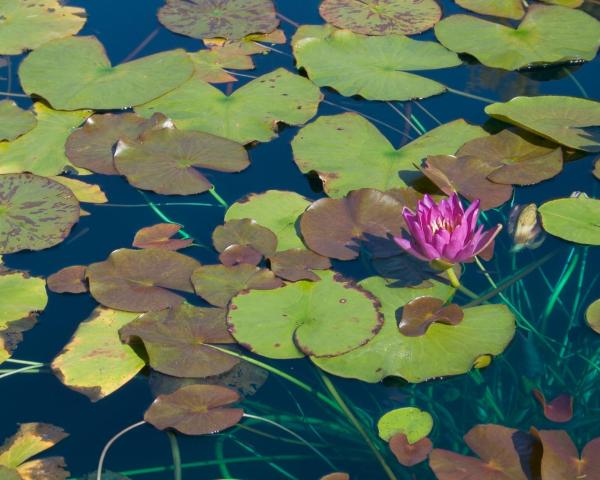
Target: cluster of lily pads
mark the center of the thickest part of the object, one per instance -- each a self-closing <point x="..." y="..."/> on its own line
<point x="275" y="292"/>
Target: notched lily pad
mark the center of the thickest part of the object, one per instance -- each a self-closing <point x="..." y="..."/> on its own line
<point x="416" y="424"/>
<point x="410" y="454"/>
<point x="298" y="264"/>
<point x="14" y="121"/>
<point x="559" y="409"/>
<point x="573" y="219"/>
<point x="244" y="232"/>
<point x="68" y="280"/>
<point x="418" y="314"/>
<point x="239" y="254"/>
<point x="176" y="340"/>
<point x="195" y="410"/>
<point x="141" y="280"/>
<point x="159" y="236"/>
<point x="210" y="64"/>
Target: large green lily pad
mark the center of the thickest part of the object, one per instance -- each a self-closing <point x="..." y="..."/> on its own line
<point x="28" y="24"/>
<point x="165" y="160"/>
<point x="547" y="34"/>
<point x="411" y="421"/>
<point x="42" y="149"/>
<point x="569" y="121"/>
<point x="382" y="17"/>
<point x="14" y="122"/>
<point x="443" y="350"/>
<point x="176" y="340"/>
<point x="498" y="8"/>
<point x="573" y="219"/>
<point x="95" y="362"/>
<point x="276" y="210"/>
<point x="35" y="212"/>
<point x="75" y="73"/>
<point x="230" y="19"/>
<point x="376" y="68"/>
<point x="248" y="114"/>
<point x="141" y="280"/>
<point x="20" y="296"/>
<point x="349" y="153"/>
<point x="323" y="319"/>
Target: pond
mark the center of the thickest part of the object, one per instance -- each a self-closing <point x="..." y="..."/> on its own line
<point x="309" y="142"/>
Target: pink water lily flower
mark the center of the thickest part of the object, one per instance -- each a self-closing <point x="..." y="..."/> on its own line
<point x="444" y="231"/>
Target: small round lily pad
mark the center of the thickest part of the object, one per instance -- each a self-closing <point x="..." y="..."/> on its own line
<point x="411" y="421"/>
<point x="592" y="315"/>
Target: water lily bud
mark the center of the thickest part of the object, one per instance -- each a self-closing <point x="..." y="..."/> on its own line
<point x="524" y="227"/>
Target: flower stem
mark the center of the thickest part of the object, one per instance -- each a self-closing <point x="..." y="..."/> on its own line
<point x="453" y="278"/>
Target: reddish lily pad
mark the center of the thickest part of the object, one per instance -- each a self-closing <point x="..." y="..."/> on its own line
<point x="559" y="410"/>
<point x="297" y="264"/>
<point x="245" y="232"/>
<point x="165" y="160"/>
<point x="195" y="410"/>
<point x="218" y="284"/>
<point x="382" y="17"/>
<point x="336" y="476"/>
<point x="159" y="236"/>
<point x="238" y="254"/>
<point x="141" y="280"/>
<point x="409" y="454"/>
<point x="68" y="280"/>
<point x="420" y="313"/>
<point x="176" y="340"/>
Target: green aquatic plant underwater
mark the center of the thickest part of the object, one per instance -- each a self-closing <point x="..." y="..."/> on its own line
<point x="359" y="310"/>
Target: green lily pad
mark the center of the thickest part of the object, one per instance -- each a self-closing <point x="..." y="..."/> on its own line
<point x="28" y="24"/>
<point x="176" y="340"/>
<point x="95" y="362"/>
<point x="20" y="296"/>
<point x="75" y="73"/>
<point x="349" y="153"/>
<point x="218" y="284"/>
<point x="35" y="212"/>
<point x="565" y="3"/>
<point x="324" y="318"/>
<point x="592" y="315"/>
<point x="68" y="280"/>
<point x="84" y="192"/>
<point x="230" y="19"/>
<point x="276" y="210"/>
<point x="141" y="280"/>
<point x="14" y="122"/>
<point x="42" y="149"/>
<point x="498" y="8"/>
<point x="195" y="410"/>
<point x="382" y="17"/>
<point x="298" y="264"/>
<point x="376" y="68"/>
<point x="210" y="64"/>
<point x="244" y="232"/>
<point x="159" y="236"/>
<point x="569" y="121"/>
<point x="443" y="350"/>
<point x="411" y="421"/>
<point x="547" y="34"/>
<point x="248" y="114"/>
<point x="165" y="160"/>
<point x="573" y="219"/>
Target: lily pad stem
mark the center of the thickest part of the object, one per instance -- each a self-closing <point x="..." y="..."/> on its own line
<point x="109" y="444"/>
<point x="162" y="216"/>
<point x="176" y="455"/>
<point x="218" y="197"/>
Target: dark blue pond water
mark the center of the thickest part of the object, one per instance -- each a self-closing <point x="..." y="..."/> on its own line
<point x="498" y="394"/>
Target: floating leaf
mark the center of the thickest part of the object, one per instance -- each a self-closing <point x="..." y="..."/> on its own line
<point x="524" y="227"/>
<point x="195" y="410"/>
<point x="484" y="329"/>
<point x="14" y="122"/>
<point x="165" y="160"/>
<point x="573" y="219"/>
<point x="238" y="254"/>
<point x="29" y="24"/>
<point x="84" y="192"/>
<point x="559" y="410"/>
<point x="137" y="280"/>
<point x="176" y="338"/>
<point x="382" y="17"/>
<point x="546" y="35"/>
<point x="244" y="232"/>
<point x="323" y="318"/>
<point x="409" y="454"/>
<point x="95" y="362"/>
<point x="297" y="264"/>
<point x="494" y="446"/>
<point x="592" y="316"/>
<point x="498" y="8"/>
<point x="276" y="210"/>
<point x="68" y="280"/>
<point x="210" y="63"/>
<point x="75" y="73"/>
<point x="159" y="236"/>
<point x="411" y="421"/>
<point x="565" y="3"/>
<point x="248" y="114"/>
<point x="35" y="212"/>
<point x="230" y="19"/>
<point x="336" y="476"/>
<point x="420" y="313"/>
<point x="596" y="171"/>
<point x="20" y="297"/>
<point x="375" y="68"/>
<point x="42" y="149"/>
<point x="91" y="146"/>
<point x="218" y="284"/>
<point x="570" y="121"/>
<point x="349" y="153"/>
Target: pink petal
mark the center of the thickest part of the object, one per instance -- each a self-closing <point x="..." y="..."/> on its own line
<point x="486" y="239"/>
<point x="408" y="248"/>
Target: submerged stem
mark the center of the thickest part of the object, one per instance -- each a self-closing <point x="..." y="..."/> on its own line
<point x="109" y="444"/>
<point x="176" y="455"/>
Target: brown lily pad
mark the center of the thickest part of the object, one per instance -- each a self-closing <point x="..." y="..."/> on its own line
<point x="195" y="410"/>
<point x="238" y="254"/>
<point x="297" y="264"/>
<point x="420" y="313"/>
<point x="559" y="410"/>
<point x="466" y="175"/>
<point x="218" y="284"/>
<point x="409" y="454"/>
<point x="596" y="170"/>
<point x="159" y="236"/>
<point x="245" y="232"/>
<point x="175" y="340"/>
<point x="141" y="280"/>
<point x="165" y="160"/>
<point x="68" y="280"/>
<point x="336" y="476"/>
